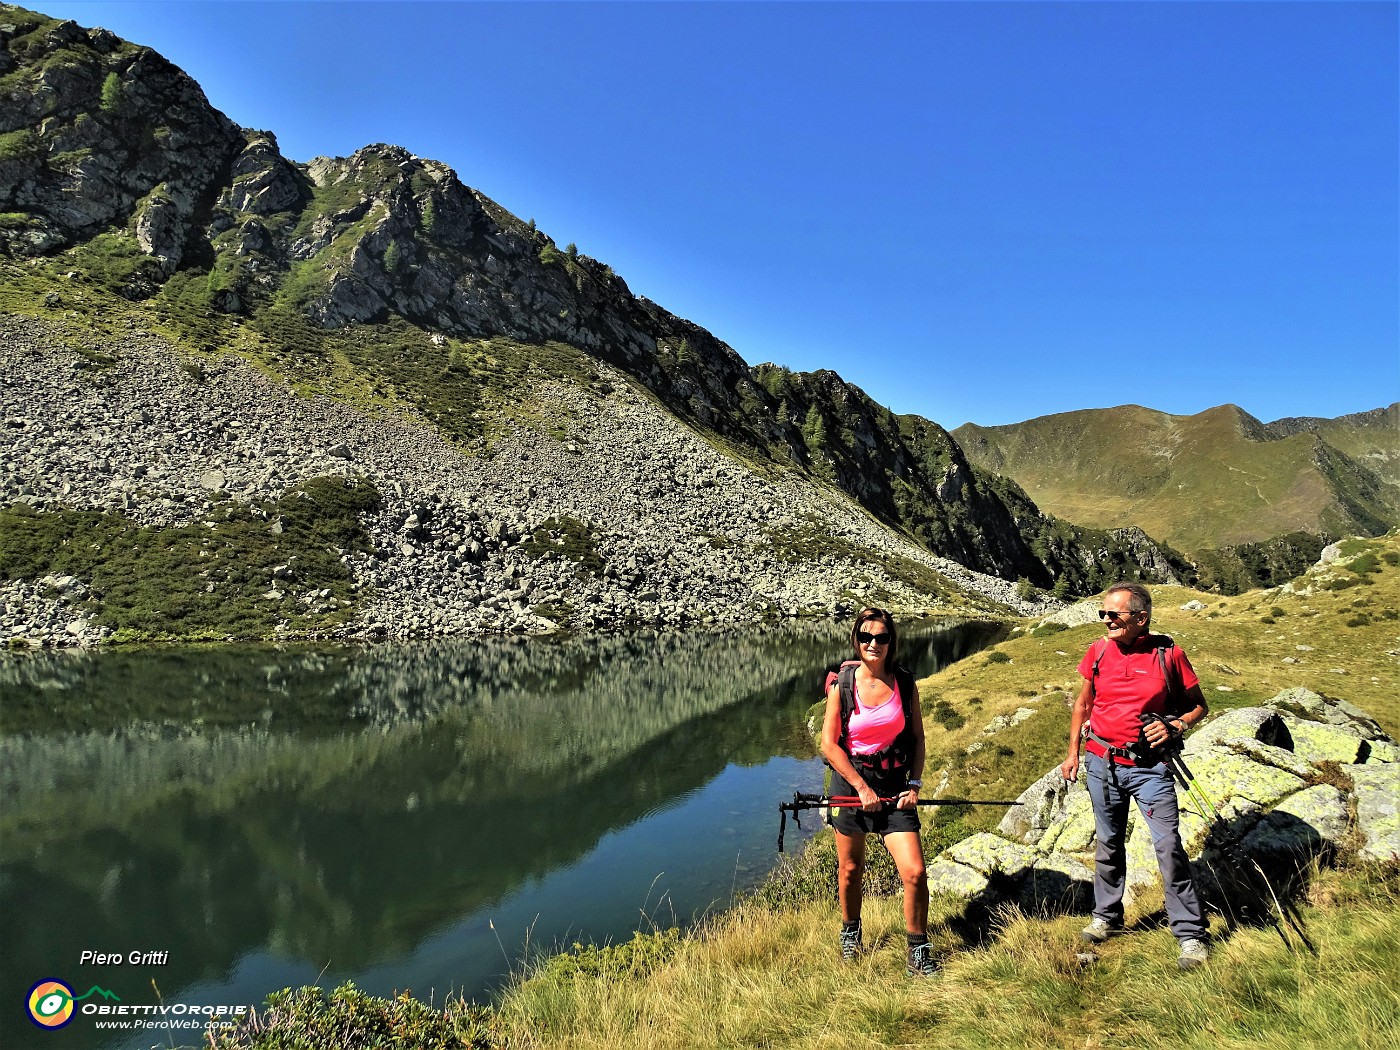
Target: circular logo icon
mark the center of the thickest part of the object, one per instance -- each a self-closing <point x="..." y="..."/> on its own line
<point x="51" y="1004"/>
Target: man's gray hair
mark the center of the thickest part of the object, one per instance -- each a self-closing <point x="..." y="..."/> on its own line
<point x="1139" y="597"/>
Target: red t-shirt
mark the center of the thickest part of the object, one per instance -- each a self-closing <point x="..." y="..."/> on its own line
<point x="1130" y="683"/>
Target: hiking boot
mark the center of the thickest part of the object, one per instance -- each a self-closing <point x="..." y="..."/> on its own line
<point x="1098" y="931"/>
<point x="1193" y="953"/>
<point x="850" y="944"/>
<point x="921" y="962"/>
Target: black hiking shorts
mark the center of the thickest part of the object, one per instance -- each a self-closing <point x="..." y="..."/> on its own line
<point x="887" y="821"/>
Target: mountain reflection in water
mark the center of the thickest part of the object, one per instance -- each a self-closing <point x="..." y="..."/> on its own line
<point x="347" y="806"/>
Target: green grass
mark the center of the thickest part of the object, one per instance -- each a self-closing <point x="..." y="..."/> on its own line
<point x="205" y="580"/>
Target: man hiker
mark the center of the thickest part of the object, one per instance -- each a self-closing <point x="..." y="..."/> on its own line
<point x="1129" y="673"/>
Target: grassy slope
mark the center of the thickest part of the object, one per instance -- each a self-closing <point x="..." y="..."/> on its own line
<point x="1194" y="481"/>
<point x="767" y="973"/>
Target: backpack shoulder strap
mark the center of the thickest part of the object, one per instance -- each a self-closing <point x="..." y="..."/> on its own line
<point x="904" y="678"/>
<point x="1176" y="696"/>
<point x="1101" y="647"/>
<point x="846" y="682"/>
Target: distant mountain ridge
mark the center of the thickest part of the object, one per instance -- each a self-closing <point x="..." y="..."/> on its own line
<point x="1214" y="479"/>
<point x="382" y="275"/>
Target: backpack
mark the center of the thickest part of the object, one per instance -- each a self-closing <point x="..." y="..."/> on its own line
<point x="898" y="754"/>
<point x="1176" y="696"/>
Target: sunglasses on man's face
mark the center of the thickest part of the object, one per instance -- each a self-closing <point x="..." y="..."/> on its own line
<point x="865" y="638"/>
<point x="1109" y="614"/>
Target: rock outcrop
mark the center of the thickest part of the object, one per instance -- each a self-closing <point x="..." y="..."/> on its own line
<point x="1301" y="778"/>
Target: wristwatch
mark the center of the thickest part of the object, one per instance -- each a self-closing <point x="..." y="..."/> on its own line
<point x="915" y="784"/>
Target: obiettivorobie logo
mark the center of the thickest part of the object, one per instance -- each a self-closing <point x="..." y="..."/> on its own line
<point x="51" y="1002"/>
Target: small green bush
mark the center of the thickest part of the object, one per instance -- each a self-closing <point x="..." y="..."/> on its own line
<point x="947" y="716"/>
<point x="1367" y="563"/>
<point x="996" y="656"/>
<point x="633" y="959"/>
<point x="1047" y="629"/>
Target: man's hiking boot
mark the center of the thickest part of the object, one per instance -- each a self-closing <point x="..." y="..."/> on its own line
<point x="1193" y="953"/>
<point x="850" y="944"/>
<point x="921" y="962"/>
<point x="1098" y="931"/>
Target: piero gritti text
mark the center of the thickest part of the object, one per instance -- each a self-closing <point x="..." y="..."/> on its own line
<point x="132" y="958"/>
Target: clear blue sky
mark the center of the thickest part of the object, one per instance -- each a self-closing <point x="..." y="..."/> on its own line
<point x="975" y="211"/>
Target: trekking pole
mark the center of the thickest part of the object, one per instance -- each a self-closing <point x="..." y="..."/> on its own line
<point x="1286" y="910"/>
<point x="801" y="801"/>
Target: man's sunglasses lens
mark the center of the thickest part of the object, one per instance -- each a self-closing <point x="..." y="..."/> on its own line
<point x="1108" y="614"/>
<point x="866" y="638"/>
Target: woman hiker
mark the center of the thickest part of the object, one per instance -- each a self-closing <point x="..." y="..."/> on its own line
<point x="873" y="739"/>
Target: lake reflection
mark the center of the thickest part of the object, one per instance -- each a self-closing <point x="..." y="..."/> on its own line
<point x="403" y="815"/>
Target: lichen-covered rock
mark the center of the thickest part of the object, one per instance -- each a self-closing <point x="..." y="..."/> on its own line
<point x="1269" y="755"/>
<point x="946" y="875"/>
<point x="1247" y="723"/>
<point x="1323" y="742"/>
<point x="1309" y="824"/>
<point x="1314" y="707"/>
<point x="1378" y="809"/>
<point x="1037" y="808"/>
<point x="1057" y="883"/>
<point x="991" y="854"/>
<point x="1226" y="776"/>
<point x="1074" y="833"/>
<point x="1382" y="751"/>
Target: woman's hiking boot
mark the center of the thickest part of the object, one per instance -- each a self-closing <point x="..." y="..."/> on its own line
<point x="850" y="942"/>
<point x="921" y="962"/>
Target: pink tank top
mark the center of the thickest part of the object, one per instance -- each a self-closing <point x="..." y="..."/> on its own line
<point x="873" y="729"/>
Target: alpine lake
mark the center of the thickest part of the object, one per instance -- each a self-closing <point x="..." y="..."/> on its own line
<point x="213" y="824"/>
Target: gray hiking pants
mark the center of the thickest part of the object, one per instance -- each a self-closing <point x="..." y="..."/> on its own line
<point x="1155" y="794"/>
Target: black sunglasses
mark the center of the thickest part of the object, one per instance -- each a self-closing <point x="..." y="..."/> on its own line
<point x="865" y="638"/>
<point x="1109" y="614"/>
